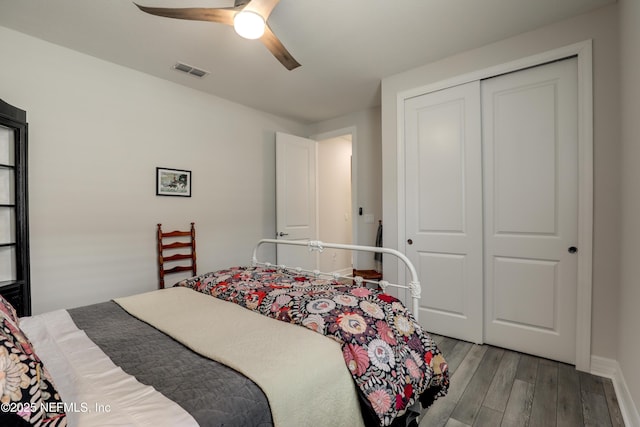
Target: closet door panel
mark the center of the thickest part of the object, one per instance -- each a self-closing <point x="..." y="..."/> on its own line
<point x="530" y="209"/>
<point x="444" y="290"/>
<point x="534" y="281"/>
<point x="441" y="175"/>
<point x="444" y="208"/>
<point x="524" y="154"/>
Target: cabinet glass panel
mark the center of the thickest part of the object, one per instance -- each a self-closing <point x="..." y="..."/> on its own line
<point x="7" y="186"/>
<point x="7" y="225"/>
<point x="7" y="146"/>
<point x="8" y="263"/>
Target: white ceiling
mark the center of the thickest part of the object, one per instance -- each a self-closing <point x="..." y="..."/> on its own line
<point x="345" y="46"/>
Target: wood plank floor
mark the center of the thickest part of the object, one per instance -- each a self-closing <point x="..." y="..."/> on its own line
<point x="493" y="387"/>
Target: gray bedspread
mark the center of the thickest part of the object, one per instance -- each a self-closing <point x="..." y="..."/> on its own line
<point x="214" y="394"/>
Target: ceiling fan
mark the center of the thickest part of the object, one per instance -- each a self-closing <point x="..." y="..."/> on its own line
<point x="248" y="17"/>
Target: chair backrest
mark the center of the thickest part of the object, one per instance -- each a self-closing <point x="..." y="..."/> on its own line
<point x="169" y="251"/>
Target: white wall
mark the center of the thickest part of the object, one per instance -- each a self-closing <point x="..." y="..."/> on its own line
<point x="629" y="315"/>
<point x="97" y="131"/>
<point x="601" y="26"/>
<point x="368" y="170"/>
<point x="334" y="202"/>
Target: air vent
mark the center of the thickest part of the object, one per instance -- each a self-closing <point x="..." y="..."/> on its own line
<point x="190" y="70"/>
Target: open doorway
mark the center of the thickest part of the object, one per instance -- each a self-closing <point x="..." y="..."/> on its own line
<point x="335" y="211"/>
<point x="315" y="193"/>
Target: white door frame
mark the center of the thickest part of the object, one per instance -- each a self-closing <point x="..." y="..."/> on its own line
<point x="583" y="52"/>
<point x="351" y="130"/>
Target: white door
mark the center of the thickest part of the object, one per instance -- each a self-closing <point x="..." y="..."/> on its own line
<point x="443" y="185"/>
<point x="296" y="198"/>
<point x="531" y="206"/>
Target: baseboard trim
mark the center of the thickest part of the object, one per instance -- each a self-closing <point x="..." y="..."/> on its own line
<point x="610" y="368"/>
<point x="347" y="272"/>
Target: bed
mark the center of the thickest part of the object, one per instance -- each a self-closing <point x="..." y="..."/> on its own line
<point x="261" y="345"/>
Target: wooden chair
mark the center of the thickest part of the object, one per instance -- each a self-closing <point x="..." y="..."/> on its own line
<point x="367" y="275"/>
<point x="169" y="243"/>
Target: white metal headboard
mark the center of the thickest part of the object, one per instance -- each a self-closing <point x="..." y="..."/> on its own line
<point x="316" y="245"/>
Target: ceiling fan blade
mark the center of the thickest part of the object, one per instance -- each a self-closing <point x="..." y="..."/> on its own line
<point x="222" y="15"/>
<point x="261" y="7"/>
<point x="278" y="50"/>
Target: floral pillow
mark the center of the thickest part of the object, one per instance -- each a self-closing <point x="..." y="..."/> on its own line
<point x="26" y="389"/>
<point x="7" y="310"/>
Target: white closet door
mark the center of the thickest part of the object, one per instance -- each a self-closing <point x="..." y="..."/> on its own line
<point x="443" y="185"/>
<point x="530" y="209"/>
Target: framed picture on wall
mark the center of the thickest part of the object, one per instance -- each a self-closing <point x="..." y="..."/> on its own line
<point x="173" y="182"/>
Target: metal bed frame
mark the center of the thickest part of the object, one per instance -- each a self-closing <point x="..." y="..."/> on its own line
<point x="316" y="245"/>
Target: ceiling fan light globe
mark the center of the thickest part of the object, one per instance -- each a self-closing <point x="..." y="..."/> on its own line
<point x="249" y="25"/>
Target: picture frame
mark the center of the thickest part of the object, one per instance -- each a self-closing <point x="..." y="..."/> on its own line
<point x="173" y="182"/>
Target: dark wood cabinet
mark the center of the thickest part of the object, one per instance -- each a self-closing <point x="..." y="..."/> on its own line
<point x="15" y="283"/>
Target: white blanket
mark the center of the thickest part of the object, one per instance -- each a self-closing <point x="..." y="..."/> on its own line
<point x="94" y="390"/>
<point x="302" y="373"/>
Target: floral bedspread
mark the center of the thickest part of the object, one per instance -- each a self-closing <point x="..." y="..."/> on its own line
<point x="393" y="361"/>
